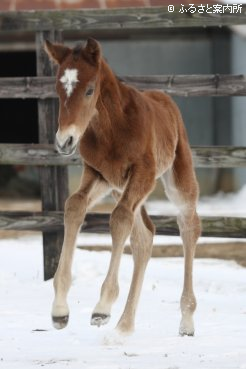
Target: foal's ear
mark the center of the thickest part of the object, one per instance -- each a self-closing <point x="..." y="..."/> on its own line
<point x="93" y="50"/>
<point x="56" y="52"/>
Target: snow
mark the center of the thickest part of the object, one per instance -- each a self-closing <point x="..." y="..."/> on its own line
<point x="28" y="340"/>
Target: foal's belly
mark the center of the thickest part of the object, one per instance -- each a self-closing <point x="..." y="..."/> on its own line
<point x="116" y="177"/>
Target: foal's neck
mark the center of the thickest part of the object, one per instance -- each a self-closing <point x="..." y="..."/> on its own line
<point x="109" y="81"/>
<point x="111" y="95"/>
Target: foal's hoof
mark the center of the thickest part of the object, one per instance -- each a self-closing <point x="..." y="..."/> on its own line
<point x="186" y="327"/>
<point x="60" y="322"/>
<point x="186" y="332"/>
<point x="99" y="319"/>
<point x="189" y="334"/>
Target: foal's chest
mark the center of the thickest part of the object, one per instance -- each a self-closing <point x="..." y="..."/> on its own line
<point x="113" y="167"/>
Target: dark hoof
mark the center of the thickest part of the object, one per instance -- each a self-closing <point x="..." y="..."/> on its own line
<point x="182" y="334"/>
<point x="60" y="322"/>
<point x="99" y="319"/>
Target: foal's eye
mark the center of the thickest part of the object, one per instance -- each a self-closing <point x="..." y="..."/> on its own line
<point x="89" y="92"/>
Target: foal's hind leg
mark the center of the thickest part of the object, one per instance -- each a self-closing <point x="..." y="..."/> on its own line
<point x="141" y="245"/>
<point x="181" y="188"/>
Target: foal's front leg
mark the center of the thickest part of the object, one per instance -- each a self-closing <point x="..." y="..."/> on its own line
<point x="92" y="187"/>
<point x="121" y="223"/>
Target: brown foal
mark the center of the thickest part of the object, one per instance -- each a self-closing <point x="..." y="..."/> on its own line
<point x="127" y="139"/>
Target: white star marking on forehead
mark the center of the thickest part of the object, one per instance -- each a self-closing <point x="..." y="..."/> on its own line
<point x="69" y="80"/>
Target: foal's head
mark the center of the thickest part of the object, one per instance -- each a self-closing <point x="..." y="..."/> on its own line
<point x="77" y="85"/>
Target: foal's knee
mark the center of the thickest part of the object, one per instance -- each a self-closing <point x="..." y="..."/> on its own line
<point x="75" y="208"/>
<point x="189" y="225"/>
<point x="147" y="221"/>
<point x="142" y="236"/>
<point x="121" y="222"/>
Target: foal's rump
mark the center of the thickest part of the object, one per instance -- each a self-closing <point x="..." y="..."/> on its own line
<point x="167" y="128"/>
<point x="173" y="153"/>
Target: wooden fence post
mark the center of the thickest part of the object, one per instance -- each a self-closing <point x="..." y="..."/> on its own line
<point x="53" y="180"/>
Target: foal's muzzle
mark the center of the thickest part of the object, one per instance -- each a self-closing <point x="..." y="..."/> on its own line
<point x="67" y="139"/>
<point x="66" y="148"/>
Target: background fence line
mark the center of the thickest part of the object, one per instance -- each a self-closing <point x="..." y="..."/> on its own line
<point x="53" y="168"/>
<point x="47" y="155"/>
<point x="120" y="20"/>
<point x="52" y="221"/>
<point x="176" y="85"/>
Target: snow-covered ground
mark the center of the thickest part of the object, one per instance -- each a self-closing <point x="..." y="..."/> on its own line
<point x="28" y="340"/>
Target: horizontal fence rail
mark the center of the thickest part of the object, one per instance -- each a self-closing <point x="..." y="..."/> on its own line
<point x="120" y="20"/>
<point x="44" y="155"/>
<point x="230" y="227"/>
<point x="178" y="85"/>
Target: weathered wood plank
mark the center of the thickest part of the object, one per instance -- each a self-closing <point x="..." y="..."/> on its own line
<point x="47" y="221"/>
<point x="191" y="85"/>
<point x="230" y="227"/>
<point x="219" y="156"/>
<point x="176" y="85"/>
<point x="119" y="20"/>
<point x="46" y="155"/>
<point x="27" y="87"/>
<point x="34" y="154"/>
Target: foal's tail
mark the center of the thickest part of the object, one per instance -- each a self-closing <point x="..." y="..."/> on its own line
<point x="183" y="168"/>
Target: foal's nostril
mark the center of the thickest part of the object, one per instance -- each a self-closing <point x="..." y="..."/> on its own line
<point x="69" y="142"/>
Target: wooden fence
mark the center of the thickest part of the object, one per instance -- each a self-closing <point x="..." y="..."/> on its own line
<point x="53" y="168"/>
